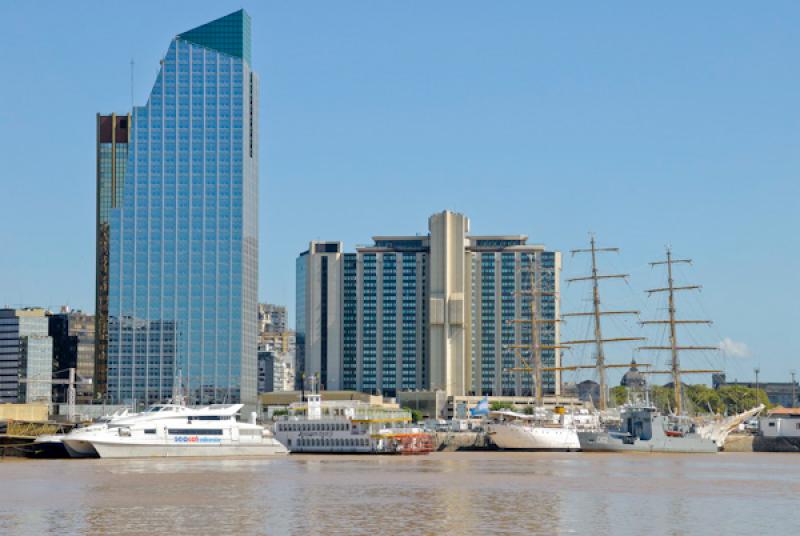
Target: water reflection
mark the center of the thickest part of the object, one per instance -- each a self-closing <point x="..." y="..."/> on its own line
<point x="453" y="493"/>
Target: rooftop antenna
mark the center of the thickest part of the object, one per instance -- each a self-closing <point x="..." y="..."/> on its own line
<point x="132" y="64"/>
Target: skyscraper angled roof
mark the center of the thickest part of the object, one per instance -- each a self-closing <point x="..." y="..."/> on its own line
<point x="229" y="34"/>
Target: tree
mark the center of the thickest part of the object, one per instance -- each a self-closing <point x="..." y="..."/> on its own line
<point x="416" y="415"/>
<point x="662" y="398"/>
<point x="619" y="395"/>
<point x="738" y="398"/>
<point x="497" y="406"/>
<point x="280" y="413"/>
<point x="704" y="399"/>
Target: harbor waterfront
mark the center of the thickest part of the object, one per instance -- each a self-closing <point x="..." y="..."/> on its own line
<point x="443" y="493"/>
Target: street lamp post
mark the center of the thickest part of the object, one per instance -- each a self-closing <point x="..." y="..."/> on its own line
<point x="757" y="370"/>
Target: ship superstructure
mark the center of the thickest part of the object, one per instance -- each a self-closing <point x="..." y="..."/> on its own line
<point x="349" y="427"/>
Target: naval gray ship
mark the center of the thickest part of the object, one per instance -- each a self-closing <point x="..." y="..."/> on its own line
<point x="644" y="429"/>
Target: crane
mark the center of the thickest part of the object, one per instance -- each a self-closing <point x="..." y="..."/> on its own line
<point x="70" y="382"/>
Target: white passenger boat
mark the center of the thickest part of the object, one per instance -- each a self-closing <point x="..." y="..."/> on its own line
<point x="543" y="430"/>
<point x="173" y="430"/>
<point x="350" y="427"/>
<point x="78" y="447"/>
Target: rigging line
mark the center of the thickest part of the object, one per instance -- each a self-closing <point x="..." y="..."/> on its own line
<point x="696" y="301"/>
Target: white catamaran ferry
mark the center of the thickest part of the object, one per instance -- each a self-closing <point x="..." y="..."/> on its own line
<point x="167" y="430"/>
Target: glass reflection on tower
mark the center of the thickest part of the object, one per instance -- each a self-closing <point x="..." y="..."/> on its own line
<point x="183" y="242"/>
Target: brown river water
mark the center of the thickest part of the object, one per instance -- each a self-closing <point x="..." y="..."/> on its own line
<point x="444" y="493"/>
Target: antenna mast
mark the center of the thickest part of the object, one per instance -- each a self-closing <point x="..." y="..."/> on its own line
<point x="598" y="341"/>
<point x="132" y="64"/>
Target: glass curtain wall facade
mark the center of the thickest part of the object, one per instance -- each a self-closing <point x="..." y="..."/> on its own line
<point x="500" y="297"/>
<point x="112" y="163"/>
<point x="301" y="287"/>
<point x="389" y="287"/>
<point x="350" y="323"/>
<point x="183" y="242"/>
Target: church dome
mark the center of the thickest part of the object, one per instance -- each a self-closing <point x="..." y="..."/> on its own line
<point x="633" y="379"/>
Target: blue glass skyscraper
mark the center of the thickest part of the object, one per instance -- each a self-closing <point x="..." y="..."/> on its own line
<point x="183" y="237"/>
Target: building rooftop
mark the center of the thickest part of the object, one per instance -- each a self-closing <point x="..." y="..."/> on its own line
<point x="793" y="412"/>
<point x="229" y="34"/>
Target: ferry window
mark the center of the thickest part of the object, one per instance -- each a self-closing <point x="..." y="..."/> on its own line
<point x="290" y="443"/>
<point x="772" y="424"/>
<point x="150" y="431"/>
<point x="798" y="425"/>
<point x="198" y="431"/>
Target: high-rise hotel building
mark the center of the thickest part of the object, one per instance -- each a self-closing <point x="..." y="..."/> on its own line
<point x="431" y="312"/>
<point x="177" y="234"/>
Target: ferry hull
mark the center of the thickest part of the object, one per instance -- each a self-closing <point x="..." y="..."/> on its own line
<point x="79" y="448"/>
<point x="141" y="450"/>
<point x="48" y="446"/>
<point x="516" y="437"/>
<point x="612" y="442"/>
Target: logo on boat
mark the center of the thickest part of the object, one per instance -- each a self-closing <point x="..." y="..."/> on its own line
<point x="196" y="439"/>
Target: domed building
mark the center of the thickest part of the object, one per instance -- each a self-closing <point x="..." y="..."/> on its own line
<point x="634" y="380"/>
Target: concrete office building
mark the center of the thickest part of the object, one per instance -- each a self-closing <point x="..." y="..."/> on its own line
<point x="275" y="372"/>
<point x="26" y="352"/>
<point x="427" y="312"/>
<point x="182" y="227"/>
<point x="272" y="318"/>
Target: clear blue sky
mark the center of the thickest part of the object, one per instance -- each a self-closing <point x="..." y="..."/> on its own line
<point x="647" y="124"/>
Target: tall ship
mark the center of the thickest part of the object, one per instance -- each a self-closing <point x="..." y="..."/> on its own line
<point x="349" y="427"/>
<point x="544" y="428"/>
<point x="168" y="430"/>
<point x="642" y="427"/>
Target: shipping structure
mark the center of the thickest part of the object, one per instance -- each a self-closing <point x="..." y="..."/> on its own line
<point x="349" y="427"/>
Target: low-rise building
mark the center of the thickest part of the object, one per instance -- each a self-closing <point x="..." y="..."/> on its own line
<point x="26" y="353"/>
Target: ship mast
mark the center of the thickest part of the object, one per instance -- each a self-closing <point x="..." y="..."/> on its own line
<point x="535" y="347"/>
<point x="598" y="340"/>
<point x="674" y="347"/>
